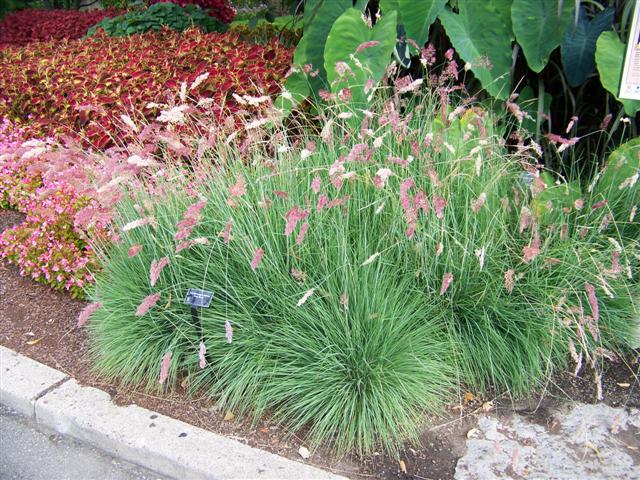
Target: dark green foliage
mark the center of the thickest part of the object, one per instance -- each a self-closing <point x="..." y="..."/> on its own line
<point x="158" y="16"/>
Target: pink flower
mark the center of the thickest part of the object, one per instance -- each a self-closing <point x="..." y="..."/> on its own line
<point x="365" y="45"/>
<point x="148" y="302"/>
<point x="201" y="354"/>
<point x="593" y="300"/>
<point x="228" y="330"/>
<point x="323" y="200"/>
<point x="302" y="233"/>
<point x="525" y="219"/>
<point x="87" y="312"/>
<point x="305" y="297"/>
<point x="190" y="243"/>
<point x="421" y="202"/>
<point x="164" y="367"/>
<point x="599" y="205"/>
<point x="316" y="184"/>
<point x="439" y="204"/>
<point x="446" y="282"/>
<point x="239" y="188"/>
<point x="257" y="258"/>
<point x="139" y="223"/>
<point x="477" y="204"/>
<point x="156" y="269"/>
<point x="292" y="217"/>
<point x="134" y="250"/>
<point x="508" y="280"/>
<point x="226" y="234"/>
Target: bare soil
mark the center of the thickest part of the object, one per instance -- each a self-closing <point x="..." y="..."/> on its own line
<point x="41" y="323"/>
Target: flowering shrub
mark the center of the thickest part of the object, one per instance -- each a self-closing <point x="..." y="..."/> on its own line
<point x="220" y="9"/>
<point x="61" y="88"/>
<point x="358" y="271"/>
<point x="52" y="187"/>
<point x="26" y="26"/>
<point x="158" y="16"/>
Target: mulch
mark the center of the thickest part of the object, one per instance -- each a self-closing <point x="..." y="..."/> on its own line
<point x="41" y="323"/>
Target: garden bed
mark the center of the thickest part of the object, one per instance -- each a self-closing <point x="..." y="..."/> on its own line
<point x="41" y="323"/>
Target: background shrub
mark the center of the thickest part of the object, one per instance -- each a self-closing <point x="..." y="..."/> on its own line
<point x="264" y="33"/>
<point x="26" y="26"/>
<point x="220" y="9"/>
<point x="64" y="88"/>
<point x="158" y="16"/>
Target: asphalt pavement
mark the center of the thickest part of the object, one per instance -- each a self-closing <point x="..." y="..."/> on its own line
<point x="30" y="453"/>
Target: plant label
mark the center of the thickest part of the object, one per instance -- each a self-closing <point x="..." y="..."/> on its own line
<point x="197" y="298"/>
<point x="630" y="84"/>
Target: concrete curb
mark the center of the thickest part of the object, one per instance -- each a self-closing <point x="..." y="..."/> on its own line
<point x="157" y="442"/>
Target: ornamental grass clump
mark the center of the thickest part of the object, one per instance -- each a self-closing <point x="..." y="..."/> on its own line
<point x="361" y="274"/>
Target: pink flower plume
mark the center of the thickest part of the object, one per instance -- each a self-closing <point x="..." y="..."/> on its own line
<point x="593" y="300"/>
<point x="508" y="280"/>
<point x="226" y="234"/>
<point x="87" y="312"/>
<point x="257" y="258"/>
<point x="148" y="302"/>
<point x="228" y="330"/>
<point x="134" y="250"/>
<point x="302" y="233"/>
<point x="239" y="188"/>
<point x="316" y="184"/>
<point x="446" y="282"/>
<point x="201" y="354"/>
<point x="156" y="269"/>
<point x="164" y="367"/>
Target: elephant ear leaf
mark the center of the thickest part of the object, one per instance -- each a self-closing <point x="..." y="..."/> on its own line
<point x="579" y="45"/>
<point x="539" y="26"/>
<point x="416" y="16"/>
<point x="366" y="51"/>
<point x="482" y="37"/>
<point x="609" y="60"/>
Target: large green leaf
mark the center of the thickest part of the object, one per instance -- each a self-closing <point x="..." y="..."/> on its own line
<point x="347" y="34"/>
<point x="482" y="37"/>
<point x="610" y="59"/>
<point x="317" y="25"/>
<point x="579" y="45"/>
<point x="416" y="16"/>
<point x="539" y="26"/>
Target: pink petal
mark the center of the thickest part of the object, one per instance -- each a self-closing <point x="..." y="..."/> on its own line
<point x="147" y="303"/>
<point x="134" y="250"/>
<point x="164" y="367"/>
<point x="593" y="300"/>
<point x="87" y="312"/>
<point x="156" y="269"/>
<point x="201" y="354"/>
<point x="257" y="258"/>
<point x="446" y="281"/>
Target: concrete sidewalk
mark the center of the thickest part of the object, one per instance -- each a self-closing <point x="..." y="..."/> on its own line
<point x="159" y="443"/>
<point x="31" y="453"/>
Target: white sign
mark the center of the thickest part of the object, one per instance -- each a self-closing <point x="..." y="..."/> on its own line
<point x="630" y="84"/>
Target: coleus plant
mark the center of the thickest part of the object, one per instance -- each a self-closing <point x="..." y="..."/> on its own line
<point x="69" y="88"/>
<point x="26" y="26"/>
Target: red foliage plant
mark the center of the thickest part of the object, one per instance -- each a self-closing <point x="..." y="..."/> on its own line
<point x="220" y="9"/>
<point x="26" y="26"/>
<point x="78" y="87"/>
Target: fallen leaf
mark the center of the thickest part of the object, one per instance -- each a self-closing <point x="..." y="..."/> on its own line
<point x="304" y="452"/>
<point x="474" y="432"/>
<point x="403" y="467"/>
<point x="229" y="416"/>
<point x="469" y="397"/>
<point x="487" y="406"/>
<point x="184" y="382"/>
<point x="33" y="342"/>
<point x="624" y="385"/>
